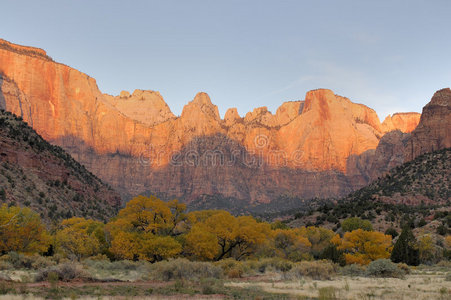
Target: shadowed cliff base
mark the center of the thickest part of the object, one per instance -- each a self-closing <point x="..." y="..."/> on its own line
<point x="210" y="171"/>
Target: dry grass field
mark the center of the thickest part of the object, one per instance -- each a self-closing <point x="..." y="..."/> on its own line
<point x="423" y="283"/>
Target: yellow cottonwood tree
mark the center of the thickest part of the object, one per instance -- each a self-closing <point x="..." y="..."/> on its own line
<point x="80" y="238"/>
<point x="201" y="243"/>
<point x="221" y="235"/>
<point x="146" y="229"/>
<point x="21" y="230"/>
<point x="427" y="249"/>
<point x="125" y="245"/>
<point x="290" y="244"/>
<point x="319" y="237"/>
<point x="362" y="247"/>
<point x="150" y="214"/>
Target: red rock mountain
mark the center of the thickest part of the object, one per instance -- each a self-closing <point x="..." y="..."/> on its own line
<point x="432" y="133"/>
<point x="434" y="130"/>
<point x="320" y="147"/>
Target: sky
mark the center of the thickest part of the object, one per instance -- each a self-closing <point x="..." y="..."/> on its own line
<point x="389" y="55"/>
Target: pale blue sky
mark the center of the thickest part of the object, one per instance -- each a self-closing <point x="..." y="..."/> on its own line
<point x="389" y="55"/>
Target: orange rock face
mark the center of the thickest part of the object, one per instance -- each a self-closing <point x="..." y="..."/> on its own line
<point x="406" y="122"/>
<point x="147" y="107"/>
<point x="136" y="144"/>
<point x="432" y="133"/>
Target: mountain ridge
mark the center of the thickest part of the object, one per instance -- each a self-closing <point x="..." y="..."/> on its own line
<point x="313" y="140"/>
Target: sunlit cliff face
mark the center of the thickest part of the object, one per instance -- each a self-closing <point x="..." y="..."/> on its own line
<point x="317" y="147"/>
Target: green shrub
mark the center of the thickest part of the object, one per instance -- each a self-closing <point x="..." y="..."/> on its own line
<point x="318" y="270"/>
<point x="184" y="269"/>
<point x="120" y="265"/>
<point x="355" y="223"/>
<point x="383" y="268"/>
<point x="41" y="262"/>
<point x="353" y="270"/>
<point x="18" y="260"/>
<point x="391" y="231"/>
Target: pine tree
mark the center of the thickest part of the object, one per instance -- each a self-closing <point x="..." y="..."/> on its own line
<point x="406" y="249"/>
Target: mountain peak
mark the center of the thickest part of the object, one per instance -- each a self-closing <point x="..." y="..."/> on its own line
<point x="25" y="50"/>
<point x="145" y="106"/>
<point x="202" y="98"/>
<point x="441" y="97"/>
<point x="201" y="103"/>
<point x="231" y="116"/>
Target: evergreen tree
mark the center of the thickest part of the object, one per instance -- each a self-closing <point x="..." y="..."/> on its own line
<point x="333" y="254"/>
<point x="406" y="249"/>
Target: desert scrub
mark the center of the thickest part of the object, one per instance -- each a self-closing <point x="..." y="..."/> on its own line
<point x="5" y="265"/>
<point x="353" y="270"/>
<point x="231" y="267"/>
<point x="120" y="265"/>
<point x="18" y="260"/>
<point x="403" y="268"/>
<point x="384" y="268"/>
<point x="184" y="269"/>
<point x="64" y="272"/>
<point x="274" y="264"/>
<point x="41" y="262"/>
<point x="318" y="270"/>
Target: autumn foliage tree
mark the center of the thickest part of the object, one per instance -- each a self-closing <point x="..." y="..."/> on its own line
<point x="80" y="238"/>
<point x="319" y="238"/>
<point x="147" y="229"/>
<point x="291" y="244"/>
<point x="21" y="230"/>
<point x="217" y="234"/>
<point x="362" y="247"/>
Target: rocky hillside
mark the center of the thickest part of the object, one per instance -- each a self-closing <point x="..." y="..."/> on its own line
<point x="44" y="177"/>
<point x="416" y="193"/>
<point x="424" y="180"/>
<point x="321" y="146"/>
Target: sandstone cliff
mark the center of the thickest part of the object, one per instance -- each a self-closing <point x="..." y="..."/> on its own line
<point x="147" y="107"/>
<point x="432" y="133"/>
<point x="406" y="122"/>
<point x="434" y="130"/>
<point x="318" y="147"/>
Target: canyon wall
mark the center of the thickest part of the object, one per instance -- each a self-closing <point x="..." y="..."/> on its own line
<point x="322" y="146"/>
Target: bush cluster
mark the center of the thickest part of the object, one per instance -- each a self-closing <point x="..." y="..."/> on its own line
<point x="184" y="269"/>
<point x="384" y="268"/>
<point x="63" y="272"/>
<point x="317" y="270"/>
